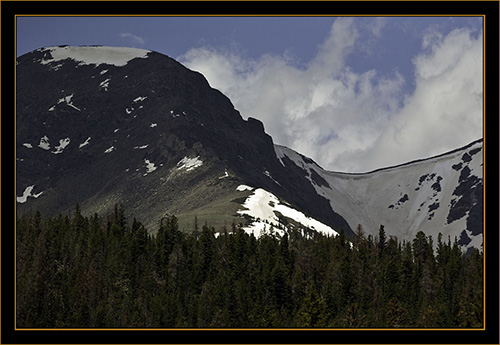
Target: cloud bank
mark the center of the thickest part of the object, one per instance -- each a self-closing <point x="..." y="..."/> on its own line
<point x="358" y="121"/>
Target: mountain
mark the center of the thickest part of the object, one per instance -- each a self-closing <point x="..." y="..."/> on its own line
<point x="441" y="194"/>
<point x="102" y="125"/>
<point x="97" y="126"/>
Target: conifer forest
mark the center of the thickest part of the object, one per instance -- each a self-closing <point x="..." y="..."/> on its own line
<point x="74" y="271"/>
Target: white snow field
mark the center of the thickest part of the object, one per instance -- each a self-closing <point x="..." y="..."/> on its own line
<point x="94" y="55"/>
<point x="262" y="206"/>
<point x="405" y="199"/>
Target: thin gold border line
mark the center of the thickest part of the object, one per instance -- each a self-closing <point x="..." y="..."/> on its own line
<point x="250" y="329"/>
<point x="15" y="172"/>
<point x="484" y="173"/>
<point x="250" y="15"/>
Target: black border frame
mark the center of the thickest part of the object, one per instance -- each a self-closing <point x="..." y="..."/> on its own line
<point x="490" y="9"/>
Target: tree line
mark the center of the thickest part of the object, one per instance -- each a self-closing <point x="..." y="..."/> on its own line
<point x="94" y="272"/>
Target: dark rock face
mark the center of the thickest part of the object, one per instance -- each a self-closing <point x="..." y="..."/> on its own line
<point x="469" y="199"/>
<point x="148" y="133"/>
<point x="126" y="128"/>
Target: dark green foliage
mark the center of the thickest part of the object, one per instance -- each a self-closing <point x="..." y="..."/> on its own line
<point x="96" y="273"/>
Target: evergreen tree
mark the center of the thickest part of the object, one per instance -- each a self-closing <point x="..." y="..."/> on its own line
<point x="313" y="311"/>
<point x="94" y="272"/>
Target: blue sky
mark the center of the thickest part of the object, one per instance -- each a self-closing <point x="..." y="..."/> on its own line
<point x="353" y="93"/>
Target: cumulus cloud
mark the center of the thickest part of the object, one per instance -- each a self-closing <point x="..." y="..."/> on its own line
<point x="350" y="121"/>
<point x="446" y="109"/>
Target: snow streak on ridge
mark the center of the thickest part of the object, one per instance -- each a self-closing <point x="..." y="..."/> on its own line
<point x="94" y="55"/>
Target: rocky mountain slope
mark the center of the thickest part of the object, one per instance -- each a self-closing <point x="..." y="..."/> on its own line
<point x="103" y="125"/>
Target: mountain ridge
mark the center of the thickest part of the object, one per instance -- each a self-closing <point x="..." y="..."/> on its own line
<point x="145" y="131"/>
<point x="443" y="193"/>
<point x="461" y="148"/>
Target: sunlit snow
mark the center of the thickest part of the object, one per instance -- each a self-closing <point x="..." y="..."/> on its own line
<point x="262" y="206"/>
<point x="243" y="187"/>
<point x="112" y="148"/>
<point x="44" y="143"/>
<point x="150" y="167"/>
<point x="225" y="175"/>
<point x="28" y="145"/>
<point x="27" y="192"/>
<point x="105" y="84"/>
<point x="62" y="144"/>
<point x="189" y="163"/>
<point x="85" y="143"/>
<point x="406" y="199"/>
<point x="269" y="175"/>
<point x="94" y="55"/>
<point x="67" y="100"/>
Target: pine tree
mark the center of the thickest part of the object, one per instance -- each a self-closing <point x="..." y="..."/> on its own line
<point x="82" y="272"/>
<point x="312" y="313"/>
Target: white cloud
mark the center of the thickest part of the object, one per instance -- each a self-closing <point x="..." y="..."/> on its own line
<point x="349" y="121"/>
<point x="445" y="110"/>
<point x="133" y="39"/>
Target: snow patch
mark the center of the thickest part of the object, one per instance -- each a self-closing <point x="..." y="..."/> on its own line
<point x="28" y="145"/>
<point x="174" y="114"/>
<point x="263" y="206"/>
<point x="112" y="148"/>
<point x="140" y="99"/>
<point x="62" y="144"/>
<point x="189" y="163"/>
<point x="150" y="167"/>
<point x="85" y="143"/>
<point x="94" y="55"/>
<point x="67" y="100"/>
<point x="269" y="175"/>
<point x="224" y="176"/>
<point x="153" y="125"/>
<point x="44" y="143"/>
<point x="105" y="84"/>
<point x="243" y="187"/>
<point x="56" y="67"/>
<point x="27" y="192"/>
<point x="280" y="154"/>
<point x="141" y="147"/>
